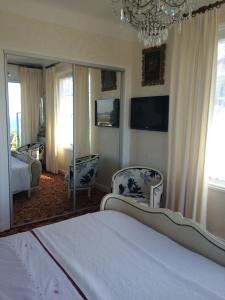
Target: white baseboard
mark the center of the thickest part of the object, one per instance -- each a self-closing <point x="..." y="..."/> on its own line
<point x="103" y="188"/>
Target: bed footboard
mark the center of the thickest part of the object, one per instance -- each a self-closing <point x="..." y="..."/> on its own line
<point x="172" y="224"/>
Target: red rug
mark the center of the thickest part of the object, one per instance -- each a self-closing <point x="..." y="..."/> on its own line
<point x="51" y="200"/>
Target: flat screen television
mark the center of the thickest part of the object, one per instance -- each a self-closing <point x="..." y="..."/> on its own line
<point x="150" y="113"/>
<point x="107" y="113"/>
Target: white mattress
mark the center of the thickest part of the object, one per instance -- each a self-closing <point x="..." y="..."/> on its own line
<point x="20" y="176"/>
<point x="109" y="256"/>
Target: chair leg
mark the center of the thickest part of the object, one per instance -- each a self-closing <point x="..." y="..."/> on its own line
<point x="29" y="193"/>
<point x="89" y="193"/>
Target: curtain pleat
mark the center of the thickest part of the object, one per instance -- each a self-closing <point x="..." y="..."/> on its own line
<point x="194" y="51"/>
<point x="31" y="93"/>
<point x="95" y="92"/>
<point x="52" y="151"/>
<point x="82" y="110"/>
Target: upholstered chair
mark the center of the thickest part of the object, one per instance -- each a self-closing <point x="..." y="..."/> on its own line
<point x="34" y="150"/>
<point x="142" y="183"/>
<point x="86" y="170"/>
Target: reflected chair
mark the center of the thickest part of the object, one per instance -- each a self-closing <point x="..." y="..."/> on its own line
<point x="34" y="150"/>
<point x="142" y="183"/>
<point x="86" y="170"/>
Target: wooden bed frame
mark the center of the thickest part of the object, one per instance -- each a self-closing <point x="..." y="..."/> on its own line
<point x="172" y="224"/>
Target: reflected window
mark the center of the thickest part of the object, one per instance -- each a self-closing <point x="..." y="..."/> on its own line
<point x="66" y="112"/>
<point x="14" y="90"/>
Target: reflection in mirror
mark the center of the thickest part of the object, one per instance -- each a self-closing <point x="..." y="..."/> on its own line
<point x="97" y="143"/>
<point x="40" y="101"/>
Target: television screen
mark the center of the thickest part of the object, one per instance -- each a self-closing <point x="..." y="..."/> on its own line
<point x="107" y="113"/>
<point x="150" y="113"/>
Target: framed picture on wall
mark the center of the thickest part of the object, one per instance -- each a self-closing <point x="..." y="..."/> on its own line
<point x="153" y="65"/>
<point x="108" y="80"/>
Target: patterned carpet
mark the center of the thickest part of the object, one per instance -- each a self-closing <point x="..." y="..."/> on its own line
<point x="51" y="200"/>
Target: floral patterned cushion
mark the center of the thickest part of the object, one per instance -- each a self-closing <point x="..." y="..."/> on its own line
<point x="86" y="169"/>
<point x="139" y="183"/>
<point x="137" y="180"/>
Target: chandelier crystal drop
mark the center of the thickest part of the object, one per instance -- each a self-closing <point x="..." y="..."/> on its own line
<point x="153" y="18"/>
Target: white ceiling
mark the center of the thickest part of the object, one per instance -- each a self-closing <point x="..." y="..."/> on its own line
<point x="95" y="8"/>
<point x="95" y="16"/>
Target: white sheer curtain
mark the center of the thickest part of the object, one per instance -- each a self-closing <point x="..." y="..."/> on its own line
<point x="59" y="118"/>
<point x="94" y="93"/>
<point x="31" y="93"/>
<point x="216" y="147"/>
<point x="52" y="149"/>
<point x="194" y="50"/>
<point x="65" y="110"/>
<point x="82" y="110"/>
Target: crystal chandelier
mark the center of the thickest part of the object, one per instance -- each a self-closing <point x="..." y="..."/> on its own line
<point x="153" y="18"/>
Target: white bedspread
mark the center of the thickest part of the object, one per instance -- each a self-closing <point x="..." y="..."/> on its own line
<point x="109" y="256"/>
<point x="113" y="256"/>
<point x="20" y="180"/>
<point x="27" y="272"/>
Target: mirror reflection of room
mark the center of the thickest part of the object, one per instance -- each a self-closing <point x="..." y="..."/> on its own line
<point x="40" y="100"/>
<point x="97" y="135"/>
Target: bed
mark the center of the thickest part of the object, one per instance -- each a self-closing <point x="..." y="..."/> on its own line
<point x="20" y="176"/>
<point x="124" y="251"/>
<point x="25" y="173"/>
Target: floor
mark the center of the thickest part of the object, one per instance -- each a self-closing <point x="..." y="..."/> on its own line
<point x="51" y="200"/>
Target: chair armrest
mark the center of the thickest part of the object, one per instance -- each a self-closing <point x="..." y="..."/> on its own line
<point x="156" y="195"/>
<point x="36" y="170"/>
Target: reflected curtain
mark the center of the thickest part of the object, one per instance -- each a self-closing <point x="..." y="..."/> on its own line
<point x="193" y="55"/>
<point x="94" y="93"/>
<point x="31" y="93"/>
<point x="82" y="110"/>
<point x="52" y="151"/>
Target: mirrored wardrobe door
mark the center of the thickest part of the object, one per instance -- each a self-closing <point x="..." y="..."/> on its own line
<point x="59" y="133"/>
<point x="97" y="135"/>
<point x="40" y="101"/>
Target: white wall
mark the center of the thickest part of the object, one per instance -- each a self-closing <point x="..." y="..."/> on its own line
<point x="29" y="36"/>
<point x="216" y="212"/>
<point x="149" y="148"/>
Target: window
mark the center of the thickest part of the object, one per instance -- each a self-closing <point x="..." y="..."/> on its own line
<point x="65" y="114"/>
<point x="217" y="126"/>
<point x="14" y="91"/>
